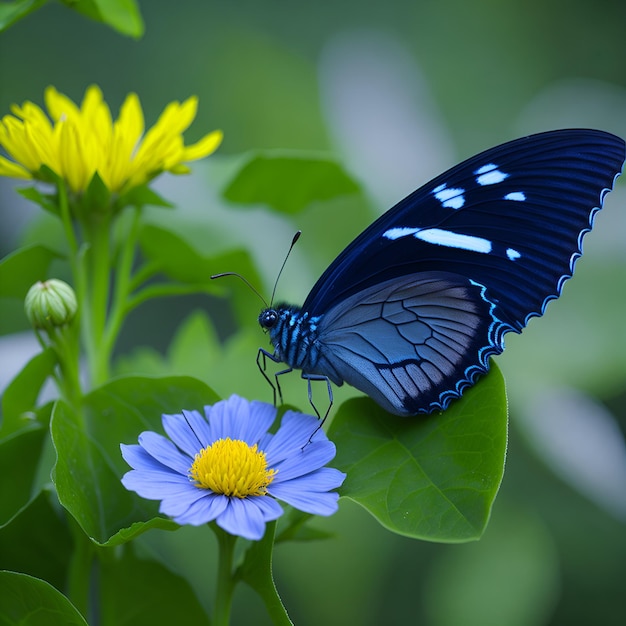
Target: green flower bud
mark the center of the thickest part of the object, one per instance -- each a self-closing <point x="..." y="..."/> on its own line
<point x="50" y="304"/>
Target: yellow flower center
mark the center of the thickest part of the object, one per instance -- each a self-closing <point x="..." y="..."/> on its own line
<point x="233" y="468"/>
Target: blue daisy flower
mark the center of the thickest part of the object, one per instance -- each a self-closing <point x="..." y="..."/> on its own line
<point x="226" y="466"/>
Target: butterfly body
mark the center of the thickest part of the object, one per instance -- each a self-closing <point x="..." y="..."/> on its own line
<point x="413" y="308"/>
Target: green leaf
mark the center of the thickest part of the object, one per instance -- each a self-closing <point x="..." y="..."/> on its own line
<point x="96" y="198"/>
<point x="141" y="196"/>
<point x="11" y="12"/>
<point x="122" y="15"/>
<point x="180" y="261"/>
<point x="20" y="396"/>
<point x="293" y="527"/>
<point x="145" y="593"/>
<point x="89" y="462"/>
<point x="289" y="182"/>
<point x="434" y="477"/>
<point x="37" y="541"/>
<point x="18" y="468"/>
<point x="45" y="201"/>
<point x="195" y="347"/>
<point x="22" y="268"/>
<point x="174" y="256"/>
<point x="28" y="601"/>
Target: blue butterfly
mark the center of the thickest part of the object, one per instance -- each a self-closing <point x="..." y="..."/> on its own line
<point x="413" y="308"/>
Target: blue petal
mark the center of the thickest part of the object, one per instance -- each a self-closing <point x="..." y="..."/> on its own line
<point x="228" y="418"/>
<point x="241" y="518"/>
<point x="323" y="479"/>
<point x="188" y="431"/>
<point x="199" y="426"/>
<point x="270" y="509"/>
<point x="312" y="457"/>
<point x="296" y="495"/>
<point x="155" y="485"/>
<point x="264" y="441"/>
<point x="220" y="418"/>
<point x="164" y="451"/>
<point x="204" y="510"/>
<point x="139" y="459"/>
<point x="294" y="433"/>
<point x="240" y="419"/>
<point x="177" y="504"/>
<point x="261" y="417"/>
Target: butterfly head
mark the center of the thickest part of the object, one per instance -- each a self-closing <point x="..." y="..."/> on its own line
<point x="268" y="318"/>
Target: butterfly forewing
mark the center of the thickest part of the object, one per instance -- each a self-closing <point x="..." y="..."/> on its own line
<point x="511" y="219"/>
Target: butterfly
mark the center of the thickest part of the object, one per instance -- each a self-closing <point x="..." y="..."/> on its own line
<point x="412" y="310"/>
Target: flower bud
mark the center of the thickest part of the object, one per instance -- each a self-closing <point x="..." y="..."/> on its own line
<point x="50" y="304"/>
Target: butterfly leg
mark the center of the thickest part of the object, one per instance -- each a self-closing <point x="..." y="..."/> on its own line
<point x="309" y="378"/>
<point x="261" y="361"/>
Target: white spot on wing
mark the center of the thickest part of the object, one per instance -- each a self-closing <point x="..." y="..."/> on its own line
<point x="512" y="254"/>
<point x="397" y="233"/>
<point x="518" y="196"/>
<point x="451" y="198"/>
<point x="449" y="239"/>
<point x="489" y="175"/>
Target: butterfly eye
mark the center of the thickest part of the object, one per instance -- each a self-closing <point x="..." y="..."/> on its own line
<point x="268" y="318"/>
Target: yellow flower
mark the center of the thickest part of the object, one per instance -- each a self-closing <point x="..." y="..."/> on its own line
<point x="75" y="143"/>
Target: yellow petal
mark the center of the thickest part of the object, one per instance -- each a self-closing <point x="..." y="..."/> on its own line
<point x="96" y="118"/>
<point x="59" y="105"/>
<point x="71" y="154"/>
<point x="32" y="113"/>
<point x="42" y="144"/>
<point x="17" y="144"/>
<point x="127" y="131"/>
<point x="130" y="120"/>
<point x="176" y="117"/>
<point x="207" y="145"/>
<point x="181" y="168"/>
<point x="187" y="113"/>
<point x="13" y="170"/>
<point x="92" y="100"/>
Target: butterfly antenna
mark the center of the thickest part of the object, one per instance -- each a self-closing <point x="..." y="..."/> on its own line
<point x="282" y="267"/>
<point x="245" y="280"/>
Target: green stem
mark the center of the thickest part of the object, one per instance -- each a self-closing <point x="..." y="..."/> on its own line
<point x="65" y="343"/>
<point x="66" y="339"/>
<point x="225" y="578"/>
<point x="95" y="295"/>
<point x="143" y="275"/>
<point x="256" y="571"/>
<point x="66" y="219"/>
<point x="161" y="291"/>
<point x="122" y="289"/>
<point x="79" y="574"/>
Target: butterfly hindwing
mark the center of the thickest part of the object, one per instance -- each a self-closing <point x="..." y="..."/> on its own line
<point x="421" y="336"/>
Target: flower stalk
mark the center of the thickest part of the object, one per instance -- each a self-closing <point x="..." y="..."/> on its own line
<point x="225" y="585"/>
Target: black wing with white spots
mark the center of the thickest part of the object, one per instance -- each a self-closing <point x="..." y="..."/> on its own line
<point x="511" y="219"/>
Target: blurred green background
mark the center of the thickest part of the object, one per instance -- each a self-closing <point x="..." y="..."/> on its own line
<point x="397" y="91"/>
